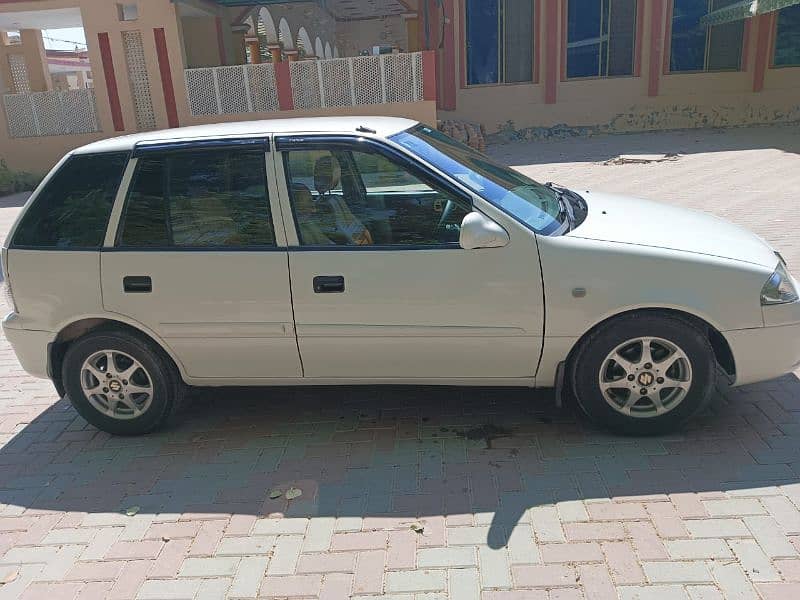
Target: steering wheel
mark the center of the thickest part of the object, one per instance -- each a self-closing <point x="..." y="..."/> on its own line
<point x="448" y="210"/>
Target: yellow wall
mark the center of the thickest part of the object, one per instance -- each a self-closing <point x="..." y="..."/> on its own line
<point x="621" y="103"/>
<point x="32" y="49"/>
<point x="200" y="41"/>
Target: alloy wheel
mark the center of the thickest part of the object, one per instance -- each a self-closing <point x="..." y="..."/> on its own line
<point x="116" y="384"/>
<point x="645" y="377"/>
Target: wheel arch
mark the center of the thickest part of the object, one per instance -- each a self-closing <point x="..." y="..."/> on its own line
<point x="722" y="350"/>
<point x="76" y="330"/>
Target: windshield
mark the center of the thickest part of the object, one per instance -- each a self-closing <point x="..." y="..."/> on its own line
<point x="532" y="203"/>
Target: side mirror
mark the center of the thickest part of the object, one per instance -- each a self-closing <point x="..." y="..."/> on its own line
<point x="479" y="231"/>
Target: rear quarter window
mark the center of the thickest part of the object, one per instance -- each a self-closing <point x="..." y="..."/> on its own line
<point x="73" y="209"/>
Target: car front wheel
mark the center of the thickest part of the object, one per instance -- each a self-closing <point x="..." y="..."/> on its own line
<point x="644" y="373"/>
<point x="119" y="383"/>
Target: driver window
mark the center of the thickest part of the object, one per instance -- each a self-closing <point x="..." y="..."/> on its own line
<point x="348" y="198"/>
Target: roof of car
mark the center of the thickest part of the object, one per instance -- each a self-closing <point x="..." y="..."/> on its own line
<point x="382" y="126"/>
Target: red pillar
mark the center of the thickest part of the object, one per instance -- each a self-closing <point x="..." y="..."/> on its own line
<point x="111" y="81"/>
<point x="637" y="64"/>
<point x="449" y="70"/>
<point x="766" y="24"/>
<point x="283" y="80"/>
<point x="429" y="75"/>
<point x="166" y="77"/>
<point x="657" y="34"/>
<point x="551" y="51"/>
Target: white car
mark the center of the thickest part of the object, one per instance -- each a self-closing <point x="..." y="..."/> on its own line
<point x="376" y="251"/>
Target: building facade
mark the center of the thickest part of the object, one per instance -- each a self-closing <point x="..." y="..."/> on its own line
<point x="519" y="68"/>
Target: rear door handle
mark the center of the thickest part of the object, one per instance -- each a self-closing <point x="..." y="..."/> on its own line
<point x="329" y="285"/>
<point x="137" y="284"/>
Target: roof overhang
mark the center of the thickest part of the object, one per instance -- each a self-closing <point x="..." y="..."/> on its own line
<point x="745" y="10"/>
<point x="52" y="18"/>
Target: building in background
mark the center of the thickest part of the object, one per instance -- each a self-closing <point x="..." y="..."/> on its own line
<point x="519" y="68"/>
<point x="69" y="69"/>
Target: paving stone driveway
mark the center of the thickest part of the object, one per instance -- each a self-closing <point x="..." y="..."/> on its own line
<point x="426" y="493"/>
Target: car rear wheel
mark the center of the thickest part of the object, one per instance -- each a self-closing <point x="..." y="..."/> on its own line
<point x="119" y="383"/>
<point x="644" y="373"/>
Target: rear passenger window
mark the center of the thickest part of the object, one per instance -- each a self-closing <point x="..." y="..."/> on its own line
<point x="198" y="199"/>
<point x="72" y="211"/>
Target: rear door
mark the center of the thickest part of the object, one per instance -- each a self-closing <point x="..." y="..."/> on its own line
<point x="197" y="259"/>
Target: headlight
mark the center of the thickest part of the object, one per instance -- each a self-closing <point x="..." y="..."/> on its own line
<point x="779" y="289"/>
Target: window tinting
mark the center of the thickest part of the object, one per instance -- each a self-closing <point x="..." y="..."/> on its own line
<point x="787" y="39"/>
<point x="344" y="198"/>
<point x="72" y="211"/>
<point x="200" y="199"/>
<point x="600" y="37"/>
<point x="696" y="47"/>
<point x="499" y="41"/>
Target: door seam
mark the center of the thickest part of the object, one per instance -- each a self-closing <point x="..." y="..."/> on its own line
<point x="294" y="317"/>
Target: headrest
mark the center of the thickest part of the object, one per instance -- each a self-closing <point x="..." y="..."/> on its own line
<point x="327" y="174"/>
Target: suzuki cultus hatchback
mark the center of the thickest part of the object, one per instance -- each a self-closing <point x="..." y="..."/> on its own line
<point x="376" y="251"/>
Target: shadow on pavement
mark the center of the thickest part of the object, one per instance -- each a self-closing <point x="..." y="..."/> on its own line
<point x="14" y="200"/>
<point x="404" y="454"/>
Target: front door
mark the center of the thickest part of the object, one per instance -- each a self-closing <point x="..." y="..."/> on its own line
<point x="381" y="288"/>
<point x="196" y="260"/>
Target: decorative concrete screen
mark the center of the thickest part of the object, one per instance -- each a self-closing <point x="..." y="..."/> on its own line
<point x="140" y="83"/>
<point x="315" y="84"/>
<point x="51" y="113"/>
<point x="19" y="74"/>
<point x="358" y="80"/>
<point x="232" y="90"/>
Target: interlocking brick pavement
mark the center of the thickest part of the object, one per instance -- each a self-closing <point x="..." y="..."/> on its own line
<point x="397" y="502"/>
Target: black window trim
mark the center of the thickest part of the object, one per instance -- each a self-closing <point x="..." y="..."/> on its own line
<point x="143" y="149"/>
<point x="14" y="246"/>
<point x="289" y="143"/>
<point x="140" y="151"/>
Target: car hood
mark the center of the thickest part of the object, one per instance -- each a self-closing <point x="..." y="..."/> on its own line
<point x="639" y="222"/>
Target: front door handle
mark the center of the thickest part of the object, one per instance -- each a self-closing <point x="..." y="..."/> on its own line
<point x="329" y="285"/>
<point x="137" y="284"/>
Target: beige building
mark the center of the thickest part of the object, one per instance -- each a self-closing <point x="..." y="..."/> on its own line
<point x="521" y="68"/>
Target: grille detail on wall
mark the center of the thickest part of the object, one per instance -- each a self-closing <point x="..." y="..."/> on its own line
<point x="358" y="80"/>
<point x="315" y="84"/>
<point x="232" y="90"/>
<point x="140" y="83"/>
<point x="305" y="84"/>
<point x="51" y="113"/>
<point x="19" y="74"/>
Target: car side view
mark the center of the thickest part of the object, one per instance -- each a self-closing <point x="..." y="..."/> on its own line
<point x="376" y="251"/>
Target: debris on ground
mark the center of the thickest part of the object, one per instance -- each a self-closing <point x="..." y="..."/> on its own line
<point x="293" y="493"/>
<point x="10" y="576"/>
<point x="417" y="527"/>
<point x="642" y="159"/>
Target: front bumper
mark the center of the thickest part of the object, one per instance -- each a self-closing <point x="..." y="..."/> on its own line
<point x="767" y="352"/>
<point x="29" y="345"/>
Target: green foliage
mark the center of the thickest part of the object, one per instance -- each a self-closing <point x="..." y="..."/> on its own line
<point x="16" y="181"/>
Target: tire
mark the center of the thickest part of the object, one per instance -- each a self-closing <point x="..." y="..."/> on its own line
<point x="151" y="395"/>
<point x="679" y="382"/>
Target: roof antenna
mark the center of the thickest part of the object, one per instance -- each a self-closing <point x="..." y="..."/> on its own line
<point x="364" y="129"/>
